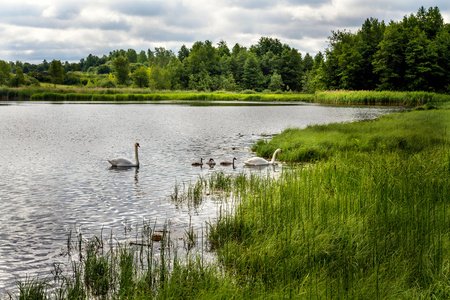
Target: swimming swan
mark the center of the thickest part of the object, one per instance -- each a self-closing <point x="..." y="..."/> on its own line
<point x="227" y="163"/>
<point x="123" y="162"/>
<point x="198" y="163"/>
<point x="211" y="162"/>
<point x="258" y="161"/>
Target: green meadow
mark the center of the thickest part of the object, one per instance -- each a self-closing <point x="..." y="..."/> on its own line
<point x="360" y="211"/>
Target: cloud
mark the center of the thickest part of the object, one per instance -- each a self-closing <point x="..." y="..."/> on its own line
<point x="71" y="30"/>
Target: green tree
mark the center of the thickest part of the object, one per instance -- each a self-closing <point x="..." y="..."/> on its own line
<point x="132" y="56"/>
<point x="56" y="71"/>
<point x="183" y="53"/>
<point x="19" y="79"/>
<point x="162" y="56"/>
<point x="276" y="83"/>
<point x="367" y="41"/>
<point x="142" y="57"/>
<point x="419" y="61"/>
<point x="140" y="77"/>
<point x="266" y="44"/>
<point x="292" y="69"/>
<point x="308" y="62"/>
<point x="389" y="61"/>
<point x="223" y="49"/>
<point x="441" y="66"/>
<point x="253" y="77"/>
<point x="121" y="70"/>
<point x="5" y="72"/>
<point x="159" y="78"/>
<point x="238" y="58"/>
<point x="178" y="76"/>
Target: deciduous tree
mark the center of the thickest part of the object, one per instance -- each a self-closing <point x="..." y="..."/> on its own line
<point x="56" y="71"/>
<point x="121" y="69"/>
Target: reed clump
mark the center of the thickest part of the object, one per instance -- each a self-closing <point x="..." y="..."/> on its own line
<point x="379" y="97"/>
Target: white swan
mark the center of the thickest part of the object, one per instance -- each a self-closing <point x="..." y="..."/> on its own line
<point x="258" y="161"/>
<point x="123" y="162"/>
<point x="227" y="163"/>
<point x="198" y="163"/>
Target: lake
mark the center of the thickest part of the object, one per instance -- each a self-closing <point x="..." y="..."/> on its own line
<point x="55" y="177"/>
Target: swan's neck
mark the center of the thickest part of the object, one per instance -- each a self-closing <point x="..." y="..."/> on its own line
<point x="273" y="157"/>
<point x="136" y="155"/>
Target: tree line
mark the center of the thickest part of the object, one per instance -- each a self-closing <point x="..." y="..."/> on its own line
<point x="410" y="55"/>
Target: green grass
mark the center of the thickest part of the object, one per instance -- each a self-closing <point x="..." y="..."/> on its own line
<point x="381" y="97"/>
<point x="68" y="93"/>
<point x="369" y="219"/>
<point x="405" y="133"/>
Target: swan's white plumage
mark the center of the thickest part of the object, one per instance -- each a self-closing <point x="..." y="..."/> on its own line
<point x="123" y="162"/>
<point x="258" y="161"/>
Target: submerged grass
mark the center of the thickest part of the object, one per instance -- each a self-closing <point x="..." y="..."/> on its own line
<point x="369" y="219"/>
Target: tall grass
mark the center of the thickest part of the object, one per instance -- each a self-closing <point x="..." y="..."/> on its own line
<point x="129" y="94"/>
<point x="406" y="133"/>
<point x="380" y="97"/>
<point x="364" y="223"/>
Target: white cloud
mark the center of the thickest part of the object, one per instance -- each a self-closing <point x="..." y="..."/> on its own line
<point x="71" y="30"/>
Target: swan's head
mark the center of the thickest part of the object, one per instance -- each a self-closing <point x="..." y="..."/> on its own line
<point x="279" y="150"/>
<point x="137" y="145"/>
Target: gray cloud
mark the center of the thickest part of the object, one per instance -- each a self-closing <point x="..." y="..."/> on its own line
<point x="70" y="30"/>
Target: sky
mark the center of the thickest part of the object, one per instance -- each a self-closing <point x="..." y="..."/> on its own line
<point x="66" y="30"/>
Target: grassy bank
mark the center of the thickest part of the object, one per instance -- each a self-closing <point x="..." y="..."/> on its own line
<point x="368" y="219"/>
<point x="128" y="94"/>
<point x="125" y="94"/>
<point x="379" y="98"/>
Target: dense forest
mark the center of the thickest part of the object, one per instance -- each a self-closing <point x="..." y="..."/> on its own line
<point x="409" y="55"/>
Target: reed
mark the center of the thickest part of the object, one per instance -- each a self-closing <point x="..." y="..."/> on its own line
<point x="379" y="97"/>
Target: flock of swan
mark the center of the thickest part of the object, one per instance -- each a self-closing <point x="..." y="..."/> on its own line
<point x="254" y="161"/>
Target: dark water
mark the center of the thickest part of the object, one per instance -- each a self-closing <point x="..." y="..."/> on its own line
<point x="55" y="177"/>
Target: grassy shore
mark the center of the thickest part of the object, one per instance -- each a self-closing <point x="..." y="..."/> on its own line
<point x="68" y="93"/>
<point x="361" y="214"/>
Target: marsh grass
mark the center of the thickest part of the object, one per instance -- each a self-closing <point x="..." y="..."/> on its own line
<point x="69" y="93"/>
<point x="405" y="133"/>
<point x="379" y="97"/>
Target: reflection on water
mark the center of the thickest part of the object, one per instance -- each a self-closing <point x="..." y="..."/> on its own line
<point x="56" y="177"/>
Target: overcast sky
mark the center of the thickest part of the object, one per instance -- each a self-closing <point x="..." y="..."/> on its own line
<point x="66" y="30"/>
